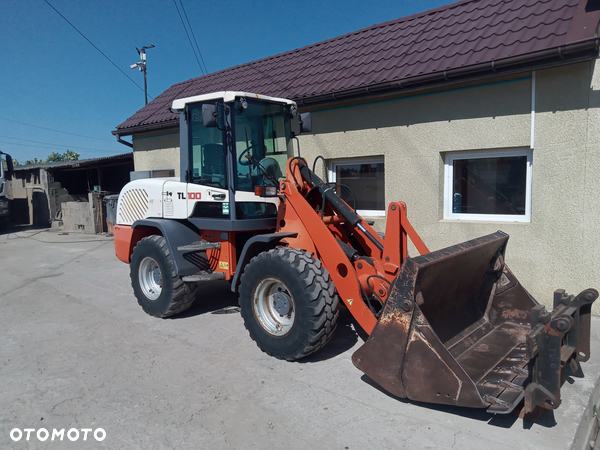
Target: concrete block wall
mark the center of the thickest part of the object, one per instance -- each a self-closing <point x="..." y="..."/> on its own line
<point x="76" y="216"/>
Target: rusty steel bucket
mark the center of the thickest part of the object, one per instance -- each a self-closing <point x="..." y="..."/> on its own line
<point x="459" y="329"/>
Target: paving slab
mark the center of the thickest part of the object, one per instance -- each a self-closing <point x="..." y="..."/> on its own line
<point x="76" y="351"/>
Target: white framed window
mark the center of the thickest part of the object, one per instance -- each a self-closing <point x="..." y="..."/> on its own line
<point x="360" y="183"/>
<point x="490" y="185"/>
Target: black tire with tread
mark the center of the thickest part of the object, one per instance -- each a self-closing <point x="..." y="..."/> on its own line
<point x="315" y="299"/>
<point x="176" y="296"/>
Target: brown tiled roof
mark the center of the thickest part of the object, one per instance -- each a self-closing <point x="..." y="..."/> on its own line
<point x="440" y="45"/>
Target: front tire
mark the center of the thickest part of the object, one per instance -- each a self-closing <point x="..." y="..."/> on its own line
<point x="288" y="303"/>
<point x="157" y="287"/>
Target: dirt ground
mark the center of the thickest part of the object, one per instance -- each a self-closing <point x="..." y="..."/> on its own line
<point x="77" y="352"/>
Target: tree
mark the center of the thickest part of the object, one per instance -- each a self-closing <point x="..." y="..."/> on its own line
<point x="34" y="161"/>
<point x="15" y="164"/>
<point x="69" y="155"/>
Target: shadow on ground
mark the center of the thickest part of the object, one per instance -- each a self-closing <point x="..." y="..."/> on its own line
<point x="344" y="338"/>
<point x="546" y="420"/>
<point x="216" y="298"/>
<point x="10" y="228"/>
<point x="213" y="297"/>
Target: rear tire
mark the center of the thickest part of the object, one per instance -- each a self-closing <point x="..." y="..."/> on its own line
<point x="288" y="302"/>
<point x="157" y="287"/>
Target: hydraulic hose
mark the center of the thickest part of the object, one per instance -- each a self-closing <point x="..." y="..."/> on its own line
<point x="337" y="203"/>
<point x="351" y="218"/>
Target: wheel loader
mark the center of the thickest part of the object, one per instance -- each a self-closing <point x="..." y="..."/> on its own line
<point x="452" y="326"/>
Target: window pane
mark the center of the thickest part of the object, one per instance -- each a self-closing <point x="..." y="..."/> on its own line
<point x="365" y="182"/>
<point x="162" y="173"/>
<point x="490" y="185"/>
<point x="207" y="158"/>
<point x="262" y="132"/>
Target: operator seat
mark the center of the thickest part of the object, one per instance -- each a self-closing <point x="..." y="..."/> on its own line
<point x="272" y="168"/>
<point x="213" y="164"/>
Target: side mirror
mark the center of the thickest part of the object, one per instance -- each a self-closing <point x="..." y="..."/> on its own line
<point x="209" y="116"/>
<point x="9" y="165"/>
<point x="305" y="123"/>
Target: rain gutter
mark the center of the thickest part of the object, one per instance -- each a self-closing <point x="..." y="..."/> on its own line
<point x="573" y="52"/>
<point x="121" y="141"/>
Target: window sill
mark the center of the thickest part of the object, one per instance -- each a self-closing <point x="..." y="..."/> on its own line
<point x="476" y="221"/>
<point x="371" y="214"/>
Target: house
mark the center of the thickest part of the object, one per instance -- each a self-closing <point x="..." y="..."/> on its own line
<point x="480" y="115"/>
<point x="67" y="193"/>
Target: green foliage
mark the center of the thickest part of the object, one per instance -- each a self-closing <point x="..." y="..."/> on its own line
<point x="69" y="155"/>
<point x="34" y="161"/>
<point x="15" y="163"/>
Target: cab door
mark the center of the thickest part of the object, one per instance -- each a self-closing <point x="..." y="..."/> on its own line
<point x="207" y="194"/>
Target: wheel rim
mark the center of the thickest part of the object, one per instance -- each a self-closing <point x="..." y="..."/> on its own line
<point x="150" y="278"/>
<point x="274" y="306"/>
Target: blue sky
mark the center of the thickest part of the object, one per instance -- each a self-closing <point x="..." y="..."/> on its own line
<point x="51" y="77"/>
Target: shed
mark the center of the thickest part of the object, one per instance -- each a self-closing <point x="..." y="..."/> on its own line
<point x="67" y="193"/>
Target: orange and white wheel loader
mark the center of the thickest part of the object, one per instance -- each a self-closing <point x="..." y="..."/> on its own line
<point x="452" y="326"/>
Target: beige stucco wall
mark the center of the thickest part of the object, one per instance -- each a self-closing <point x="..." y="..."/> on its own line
<point x="558" y="248"/>
<point x="159" y="150"/>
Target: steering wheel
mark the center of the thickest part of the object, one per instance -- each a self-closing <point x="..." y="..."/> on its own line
<point x="242" y="161"/>
<point x="272" y="169"/>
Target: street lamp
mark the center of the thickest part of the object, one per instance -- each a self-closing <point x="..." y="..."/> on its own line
<point x="142" y="67"/>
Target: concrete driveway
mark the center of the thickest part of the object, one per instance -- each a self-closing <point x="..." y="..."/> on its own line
<point x="77" y="353"/>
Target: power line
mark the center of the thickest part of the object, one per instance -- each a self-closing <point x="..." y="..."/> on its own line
<point x="92" y="44"/>
<point x="52" y="148"/>
<point x="48" y="143"/>
<point x="188" y="36"/>
<point x="193" y="35"/>
<point x="56" y="131"/>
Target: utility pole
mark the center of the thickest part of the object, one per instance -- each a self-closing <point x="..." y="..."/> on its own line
<point x="142" y="67"/>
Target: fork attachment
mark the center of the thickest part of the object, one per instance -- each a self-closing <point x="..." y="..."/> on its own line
<point x="557" y="340"/>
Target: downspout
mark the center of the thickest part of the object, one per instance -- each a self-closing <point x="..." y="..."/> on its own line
<point x="121" y="141"/>
<point x="532" y="142"/>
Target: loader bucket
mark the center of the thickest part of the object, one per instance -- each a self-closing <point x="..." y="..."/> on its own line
<point x="459" y="329"/>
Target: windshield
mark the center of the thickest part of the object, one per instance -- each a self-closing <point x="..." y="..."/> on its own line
<point x="262" y="142"/>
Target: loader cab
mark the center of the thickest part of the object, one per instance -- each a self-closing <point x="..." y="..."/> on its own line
<point x="233" y="142"/>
